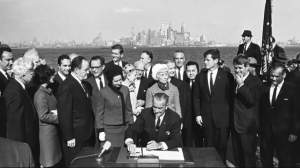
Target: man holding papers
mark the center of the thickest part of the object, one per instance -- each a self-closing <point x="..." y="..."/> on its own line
<point x="157" y="127"/>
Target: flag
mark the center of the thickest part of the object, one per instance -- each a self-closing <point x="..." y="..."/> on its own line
<point x="266" y="43"/>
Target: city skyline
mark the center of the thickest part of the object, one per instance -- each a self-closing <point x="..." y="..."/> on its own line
<point x="78" y="20"/>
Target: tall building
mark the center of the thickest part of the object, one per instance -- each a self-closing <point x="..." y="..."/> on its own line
<point x="183" y="28"/>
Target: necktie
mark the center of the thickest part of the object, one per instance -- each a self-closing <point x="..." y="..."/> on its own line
<point x="244" y="48"/>
<point x="192" y="85"/>
<point x="274" y="96"/>
<point x="157" y="124"/>
<point x="145" y="73"/>
<point x="7" y="75"/>
<point x="85" y="89"/>
<point x="211" y="84"/>
<point x="178" y="74"/>
<point x="101" y="84"/>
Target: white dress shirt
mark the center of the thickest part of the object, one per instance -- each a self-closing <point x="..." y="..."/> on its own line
<point x="137" y="83"/>
<point x="98" y="81"/>
<point x="148" y="71"/>
<point x="214" y="75"/>
<point x="4" y="73"/>
<point x="247" y="46"/>
<point x="277" y="91"/>
<point x="181" y="71"/>
<point x="119" y="63"/>
<point x="62" y="76"/>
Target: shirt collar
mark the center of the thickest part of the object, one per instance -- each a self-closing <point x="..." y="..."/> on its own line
<point x="279" y="85"/>
<point x="62" y="76"/>
<point x="214" y="71"/>
<point x="22" y="84"/>
<point x="3" y="72"/>
<point x="76" y="78"/>
<point x="244" y="78"/>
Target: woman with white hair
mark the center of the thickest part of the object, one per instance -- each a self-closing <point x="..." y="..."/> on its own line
<point x="160" y="74"/>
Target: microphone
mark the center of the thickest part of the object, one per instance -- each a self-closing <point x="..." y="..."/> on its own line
<point x="105" y="147"/>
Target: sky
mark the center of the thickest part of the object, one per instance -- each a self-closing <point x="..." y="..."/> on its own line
<point x="82" y="20"/>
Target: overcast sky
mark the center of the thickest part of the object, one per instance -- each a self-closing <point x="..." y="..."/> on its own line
<point x="82" y="20"/>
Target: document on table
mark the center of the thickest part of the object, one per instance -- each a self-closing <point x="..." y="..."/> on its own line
<point x="163" y="155"/>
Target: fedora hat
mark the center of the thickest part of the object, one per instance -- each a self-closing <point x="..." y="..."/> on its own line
<point x="253" y="62"/>
<point x="281" y="58"/>
<point x="247" y="33"/>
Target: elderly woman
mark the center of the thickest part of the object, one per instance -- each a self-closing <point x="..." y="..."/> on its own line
<point x="114" y="111"/>
<point x="129" y="81"/>
<point x="45" y="104"/>
<point x="160" y="74"/>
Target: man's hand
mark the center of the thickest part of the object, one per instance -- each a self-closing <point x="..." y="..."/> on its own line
<point x="102" y="136"/>
<point x="152" y="145"/>
<point x="131" y="147"/>
<point x="199" y="120"/>
<point x="292" y="138"/>
<point x="71" y="143"/>
<point x="140" y="103"/>
<point x="239" y="79"/>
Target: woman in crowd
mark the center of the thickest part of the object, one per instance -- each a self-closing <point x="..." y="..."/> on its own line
<point x="129" y="81"/>
<point x="45" y="104"/>
<point x="160" y="74"/>
<point x="114" y="111"/>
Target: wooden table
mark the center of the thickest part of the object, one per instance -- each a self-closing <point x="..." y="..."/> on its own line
<point x="203" y="157"/>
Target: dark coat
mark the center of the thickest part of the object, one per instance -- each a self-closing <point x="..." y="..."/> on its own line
<point x="3" y="83"/>
<point x="246" y="105"/>
<point x="75" y="114"/>
<point x="150" y="78"/>
<point x="252" y="51"/>
<point x="144" y="85"/>
<point x="110" y="66"/>
<point x="215" y="106"/>
<point x="293" y="77"/>
<point x="144" y="128"/>
<point x="283" y="118"/>
<point x="22" y="119"/>
<point x="15" y="154"/>
<point x="56" y="83"/>
<point x="109" y="108"/>
<point x="185" y="101"/>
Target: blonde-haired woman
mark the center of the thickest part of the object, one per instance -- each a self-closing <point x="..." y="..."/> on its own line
<point x="160" y="74"/>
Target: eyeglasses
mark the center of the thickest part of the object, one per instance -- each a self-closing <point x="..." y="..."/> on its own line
<point x="96" y="67"/>
<point x="140" y="70"/>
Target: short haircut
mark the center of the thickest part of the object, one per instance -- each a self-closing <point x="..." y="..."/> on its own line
<point x="61" y="58"/>
<point x="178" y="51"/>
<point x="168" y="61"/>
<point x="149" y="53"/>
<point x="4" y="47"/>
<point x="278" y="65"/>
<point x="161" y="96"/>
<point x="31" y="54"/>
<point x="215" y="54"/>
<point x="119" y="47"/>
<point x="192" y="63"/>
<point x="77" y="62"/>
<point x="98" y="57"/>
<point x="42" y="74"/>
<point x="241" y="60"/>
<point x="21" y="66"/>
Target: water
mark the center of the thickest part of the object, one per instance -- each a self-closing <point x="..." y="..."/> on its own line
<point x="131" y="55"/>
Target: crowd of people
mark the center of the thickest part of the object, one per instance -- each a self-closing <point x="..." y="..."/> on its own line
<point x="170" y="104"/>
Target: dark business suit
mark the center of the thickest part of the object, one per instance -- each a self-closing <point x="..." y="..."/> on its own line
<point x="3" y="83"/>
<point x="214" y="108"/>
<point x="144" y="129"/>
<point x="57" y="80"/>
<point x="293" y="77"/>
<point x="278" y="123"/>
<point x="144" y="85"/>
<point x="15" y="154"/>
<point x="252" y="51"/>
<point x="150" y="78"/>
<point x="110" y="65"/>
<point x="75" y="116"/>
<point x="22" y="120"/>
<point x="185" y="99"/>
<point x="94" y="91"/>
<point x="197" y="131"/>
<point x="225" y="68"/>
<point x="246" y="121"/>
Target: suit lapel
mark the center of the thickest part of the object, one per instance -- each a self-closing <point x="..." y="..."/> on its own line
<point x="162" y="128"/>
<point x="3" y="78"/>
<point x="217" y="81"/>
<point x="206" y="82"/>
<point x="280" y="94"/>
<point x="84" y="92"/>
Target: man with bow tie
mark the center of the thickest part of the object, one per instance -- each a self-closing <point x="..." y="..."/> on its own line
<point x="279" y="118"/>
<point x="6" y="61"/>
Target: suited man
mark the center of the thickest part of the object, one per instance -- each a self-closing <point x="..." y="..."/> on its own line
<point x="6" y="61"/>
<point x="185" y="99"/>
<point x="64" y="67"/>
<point x="157" y="127"/>
<point x="275" y="48"/>
<point x="95" y="83"/>
<point x="245" y="117"/>
<point x="117" y="52"/>
<point x="147" y="58"/>
<point x="196" y="133"/>
<point x="15" y="154"/>
<point x="213" y="100"/>
<point x="74" y="108"/>
<point x="179" y="59"/>
<point x="22" y="120"/>
<point x="279" y="118"/>
<point x="141" y="83"/>
<point x="249" y="48"/>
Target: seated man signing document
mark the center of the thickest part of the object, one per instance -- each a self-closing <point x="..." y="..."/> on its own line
<point x="157" y="127"/>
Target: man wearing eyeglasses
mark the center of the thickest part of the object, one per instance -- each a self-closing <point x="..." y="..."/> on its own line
<point x="95" y="83"/>
<point x="141" y="83"/>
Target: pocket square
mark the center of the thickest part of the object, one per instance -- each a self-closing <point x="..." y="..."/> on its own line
<point x="167" y="132"/>
<point x="286" y="99"/>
